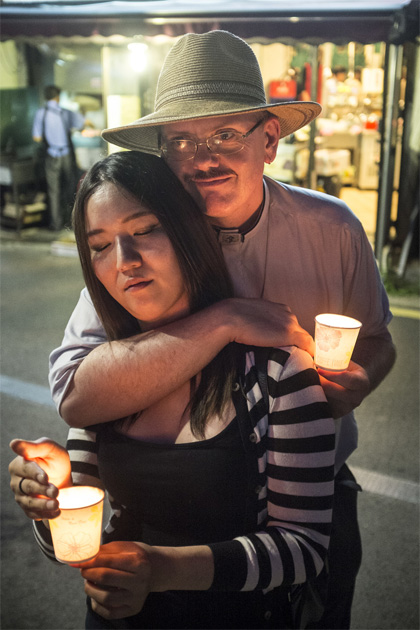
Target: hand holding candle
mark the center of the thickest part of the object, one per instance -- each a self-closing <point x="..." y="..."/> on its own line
<point x="335" y="338"/>
<point x="76" y="533"/>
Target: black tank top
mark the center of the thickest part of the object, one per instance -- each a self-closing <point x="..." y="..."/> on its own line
<point x="176" y="494"/>
<point x="184" y="494"/>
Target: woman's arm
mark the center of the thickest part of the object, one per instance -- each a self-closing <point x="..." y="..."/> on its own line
<point x="297" y="450"/>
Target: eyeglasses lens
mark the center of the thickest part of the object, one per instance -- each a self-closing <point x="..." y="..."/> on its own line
<point x="186" y="149"/>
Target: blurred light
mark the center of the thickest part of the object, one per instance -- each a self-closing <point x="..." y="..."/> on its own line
<point x="138" y="56"/>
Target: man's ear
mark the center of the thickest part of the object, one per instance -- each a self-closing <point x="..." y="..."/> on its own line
<point x="272" y="135"/>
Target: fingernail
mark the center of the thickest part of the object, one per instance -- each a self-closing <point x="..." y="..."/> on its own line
<point x="50" y="505"/>
<point x="51" y="492"/>
<point x="41" y="478"/>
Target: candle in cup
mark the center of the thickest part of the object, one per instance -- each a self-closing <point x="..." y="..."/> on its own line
<point x="335" y="338"/>
<point x="76" y="533"/>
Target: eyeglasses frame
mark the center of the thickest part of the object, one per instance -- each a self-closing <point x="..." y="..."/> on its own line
<point x="197" y="144"/>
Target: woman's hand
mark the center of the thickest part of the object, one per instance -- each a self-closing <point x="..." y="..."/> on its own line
<point x="123" y="574"/>
<point x="40" y="470"/>
<point x="118" y="579"/>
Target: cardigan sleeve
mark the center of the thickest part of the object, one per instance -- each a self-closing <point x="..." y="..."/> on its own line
<point x="295" y="446"/>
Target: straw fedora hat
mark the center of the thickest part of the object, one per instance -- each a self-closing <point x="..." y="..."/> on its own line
<point x="207" y="75"/>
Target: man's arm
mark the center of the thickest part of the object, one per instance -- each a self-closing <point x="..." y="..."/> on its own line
<point x="123" y="377"/>
<point x="372" y="360"/>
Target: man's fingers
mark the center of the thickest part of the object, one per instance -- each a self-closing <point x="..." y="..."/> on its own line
<point x="304" y="341"/>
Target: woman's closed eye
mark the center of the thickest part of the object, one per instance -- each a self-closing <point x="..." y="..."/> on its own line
<point x="98" y="248"/>
<point x="148" y="230"/>
<point x="155" y="228"/>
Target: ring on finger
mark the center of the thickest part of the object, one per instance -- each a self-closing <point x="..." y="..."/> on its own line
<point x="20" y="486"/>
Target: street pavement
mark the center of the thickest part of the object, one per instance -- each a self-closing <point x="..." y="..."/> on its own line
<point x="38" y="293"/>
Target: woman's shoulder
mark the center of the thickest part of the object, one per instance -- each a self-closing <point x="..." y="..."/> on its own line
<point x="280" y="358"/>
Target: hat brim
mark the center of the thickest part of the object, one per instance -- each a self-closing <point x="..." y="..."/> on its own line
<point x="143" y="134"/>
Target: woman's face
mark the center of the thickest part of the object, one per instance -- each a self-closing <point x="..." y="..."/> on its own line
<point x="133" y="257"/>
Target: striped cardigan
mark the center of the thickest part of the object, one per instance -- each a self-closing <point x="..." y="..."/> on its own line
<point x="291" y="455"/>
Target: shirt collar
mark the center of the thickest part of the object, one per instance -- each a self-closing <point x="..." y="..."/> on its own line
<point x="228" y="236"/>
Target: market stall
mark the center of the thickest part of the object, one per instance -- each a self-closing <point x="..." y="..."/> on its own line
<point x="355" y="148"/>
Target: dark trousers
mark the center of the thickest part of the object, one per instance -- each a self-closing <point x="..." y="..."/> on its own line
<point x="60" y="174"/>
<point x="344" y="555"/>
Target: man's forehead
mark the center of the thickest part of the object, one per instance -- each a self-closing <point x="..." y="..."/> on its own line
<point x="207" y="125"/>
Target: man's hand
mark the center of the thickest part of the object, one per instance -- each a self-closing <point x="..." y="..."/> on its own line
<point x="345" y="390"/>
<point x="118" y="579"/>
<point x="262" y="323"/>
<point x="44" y="467"/>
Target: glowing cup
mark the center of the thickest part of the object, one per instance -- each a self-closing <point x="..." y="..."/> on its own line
<point x="335" y="337"/>
<point x="76" y="533"/>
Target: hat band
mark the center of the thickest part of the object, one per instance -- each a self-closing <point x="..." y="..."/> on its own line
<point x="213" y="91"/>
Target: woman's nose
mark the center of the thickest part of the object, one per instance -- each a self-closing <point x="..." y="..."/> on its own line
<point x="128" y="255"/>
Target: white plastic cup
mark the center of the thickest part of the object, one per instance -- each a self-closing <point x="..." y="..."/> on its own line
<point x="76" y="533"/>
<point x="335" y="338"/>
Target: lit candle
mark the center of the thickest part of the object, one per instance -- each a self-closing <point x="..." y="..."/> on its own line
<point x="335" y="338"/>
<point x="76" y="533"/>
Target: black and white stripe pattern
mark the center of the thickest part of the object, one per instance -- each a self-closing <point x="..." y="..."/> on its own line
<point x="294" y="446"/>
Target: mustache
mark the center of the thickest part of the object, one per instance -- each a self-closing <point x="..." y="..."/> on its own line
<point x="210" y="174"/>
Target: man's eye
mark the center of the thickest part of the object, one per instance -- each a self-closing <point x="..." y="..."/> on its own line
<point x="226" y="136"/>
<point x="179" y="144"/>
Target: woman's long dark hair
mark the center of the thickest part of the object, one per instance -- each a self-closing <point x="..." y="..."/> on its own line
<point x="148" y="179"/>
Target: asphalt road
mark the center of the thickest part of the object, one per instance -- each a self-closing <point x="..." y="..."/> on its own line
<point x="38" y="292"/>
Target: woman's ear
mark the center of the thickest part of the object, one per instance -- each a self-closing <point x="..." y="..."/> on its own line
<point x="272" y="135"/>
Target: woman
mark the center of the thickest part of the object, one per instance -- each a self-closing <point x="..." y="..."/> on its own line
<point x="218" y="506"/>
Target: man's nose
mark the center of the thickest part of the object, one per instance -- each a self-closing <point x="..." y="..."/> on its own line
<point x="128" y="255"/>
<point x="204" y="156"/>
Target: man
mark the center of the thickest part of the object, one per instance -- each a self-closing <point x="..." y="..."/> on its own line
<point x="52" y="125"/>
<point x="292" y="254"/>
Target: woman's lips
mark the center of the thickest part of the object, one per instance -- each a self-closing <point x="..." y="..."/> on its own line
<point x="138" y="286"/>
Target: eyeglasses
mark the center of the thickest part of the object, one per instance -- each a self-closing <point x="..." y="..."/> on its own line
<point x="224" y="143"/>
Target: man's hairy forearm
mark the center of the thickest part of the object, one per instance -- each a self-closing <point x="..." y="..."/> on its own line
<point x="123" y="377"/>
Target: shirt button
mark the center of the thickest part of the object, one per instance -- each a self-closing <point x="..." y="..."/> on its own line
<point x="235" y="387"/>
<point x="253" y="437"/>
<point x="267" y="615"/>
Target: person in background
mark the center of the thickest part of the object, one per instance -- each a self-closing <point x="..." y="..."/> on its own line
<point x="222" y="499"/>
<point x="291" y="253"/>
<point x="52" y="128"/>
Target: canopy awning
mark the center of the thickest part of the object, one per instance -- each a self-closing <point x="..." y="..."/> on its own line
<point x="314" y="21"/>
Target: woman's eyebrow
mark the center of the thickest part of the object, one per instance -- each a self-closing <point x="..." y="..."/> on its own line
<point x="130" y="217"/>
